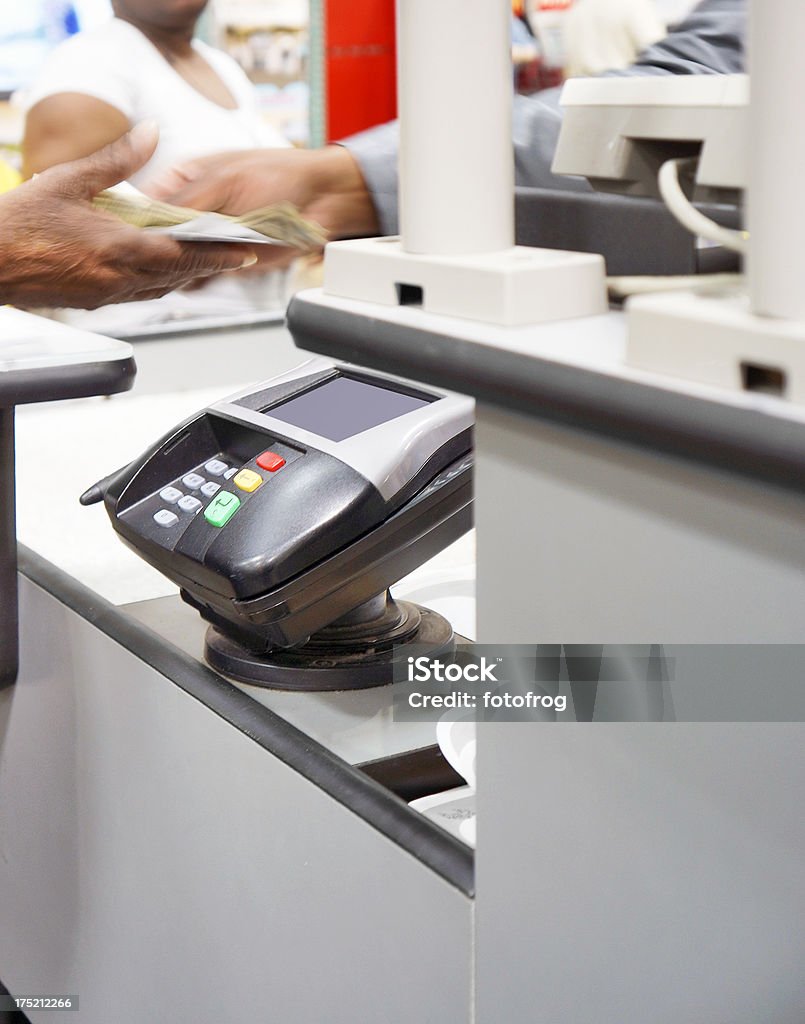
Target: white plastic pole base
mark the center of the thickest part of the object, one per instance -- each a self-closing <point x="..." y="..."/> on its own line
<point x="511" y="287"/>
<point x="717" y="340"/>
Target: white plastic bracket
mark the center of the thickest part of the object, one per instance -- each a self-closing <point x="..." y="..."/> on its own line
<point x="511" y="287"/>
<point x="716" y="339"/>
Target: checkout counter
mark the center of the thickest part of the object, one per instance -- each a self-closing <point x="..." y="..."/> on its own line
<point x="232" y="848"/>
<point x="238" y="851"/>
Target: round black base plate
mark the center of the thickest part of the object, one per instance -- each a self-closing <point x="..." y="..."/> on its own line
<point x="314" y="667"/>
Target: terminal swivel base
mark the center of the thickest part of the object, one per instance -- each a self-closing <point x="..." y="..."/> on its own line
<point x="359" y="651"/>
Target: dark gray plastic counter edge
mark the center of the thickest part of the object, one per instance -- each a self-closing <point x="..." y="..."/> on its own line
<point x="56" y="383"/>
<point x="747" y="442"/>
<point x="447" y="856"/>
<point x="47" y="383"/>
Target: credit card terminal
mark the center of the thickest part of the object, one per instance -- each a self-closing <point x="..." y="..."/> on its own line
<point x="286" y="511"/>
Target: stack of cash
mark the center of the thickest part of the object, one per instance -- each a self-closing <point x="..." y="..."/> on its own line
<point x="281" y="223"/>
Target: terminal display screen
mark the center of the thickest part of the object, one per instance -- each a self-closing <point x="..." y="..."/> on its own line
<point x="343" y="407"/>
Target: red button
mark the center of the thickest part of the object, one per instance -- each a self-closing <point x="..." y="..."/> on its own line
<point x="270" y="461"/>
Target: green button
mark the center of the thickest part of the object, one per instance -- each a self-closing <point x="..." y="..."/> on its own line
<point x="221" y="509"/>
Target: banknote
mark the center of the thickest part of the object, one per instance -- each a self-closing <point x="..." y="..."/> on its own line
<point x="278" y="224"/>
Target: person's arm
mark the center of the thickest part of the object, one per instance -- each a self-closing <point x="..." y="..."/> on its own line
<point x="356" y="190"/>
<point x="68" y="126"/>
<point x="58" y="250"/>
<point x="325" y="185"/>
<point x="84" y="97"/>
<point x="709" y="41"/>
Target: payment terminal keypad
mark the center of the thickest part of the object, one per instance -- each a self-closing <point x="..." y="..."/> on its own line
<point x="217" y="489"/>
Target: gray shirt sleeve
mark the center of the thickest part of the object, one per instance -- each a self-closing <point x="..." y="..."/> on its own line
<point x="709" y="41"/>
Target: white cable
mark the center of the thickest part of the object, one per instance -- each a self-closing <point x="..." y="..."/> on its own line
<point x="623" y="287"/>
<point x="687" y="214"/>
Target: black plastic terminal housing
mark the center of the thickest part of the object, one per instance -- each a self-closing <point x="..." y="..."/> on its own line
<point x="312" y="542"/>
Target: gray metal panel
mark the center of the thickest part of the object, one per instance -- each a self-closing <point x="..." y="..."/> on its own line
<point x="162" y="865"/>
<point x="637" y="873"/>
<point x="641" y="874"/>
<point x="597" y="542"/>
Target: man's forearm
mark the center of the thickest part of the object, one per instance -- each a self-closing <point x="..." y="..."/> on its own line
<point x="376" y="151"/>
<point x="709" y="41"/>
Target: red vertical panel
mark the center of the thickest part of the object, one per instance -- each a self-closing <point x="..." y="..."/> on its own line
<point x="360" y="65"/>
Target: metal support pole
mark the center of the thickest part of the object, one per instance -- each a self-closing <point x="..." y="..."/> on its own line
<point x="9" y="616"/>
<point x="776" y="197"/>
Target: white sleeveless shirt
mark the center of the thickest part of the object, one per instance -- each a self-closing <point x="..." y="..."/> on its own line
<point x="116" y="63"/>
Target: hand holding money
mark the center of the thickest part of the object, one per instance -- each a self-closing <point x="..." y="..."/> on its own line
<point x="59" y="251"/>
<point x="324" y="185"/>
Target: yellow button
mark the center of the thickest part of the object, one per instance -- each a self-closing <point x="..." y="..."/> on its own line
<point x="246" y="480"/>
